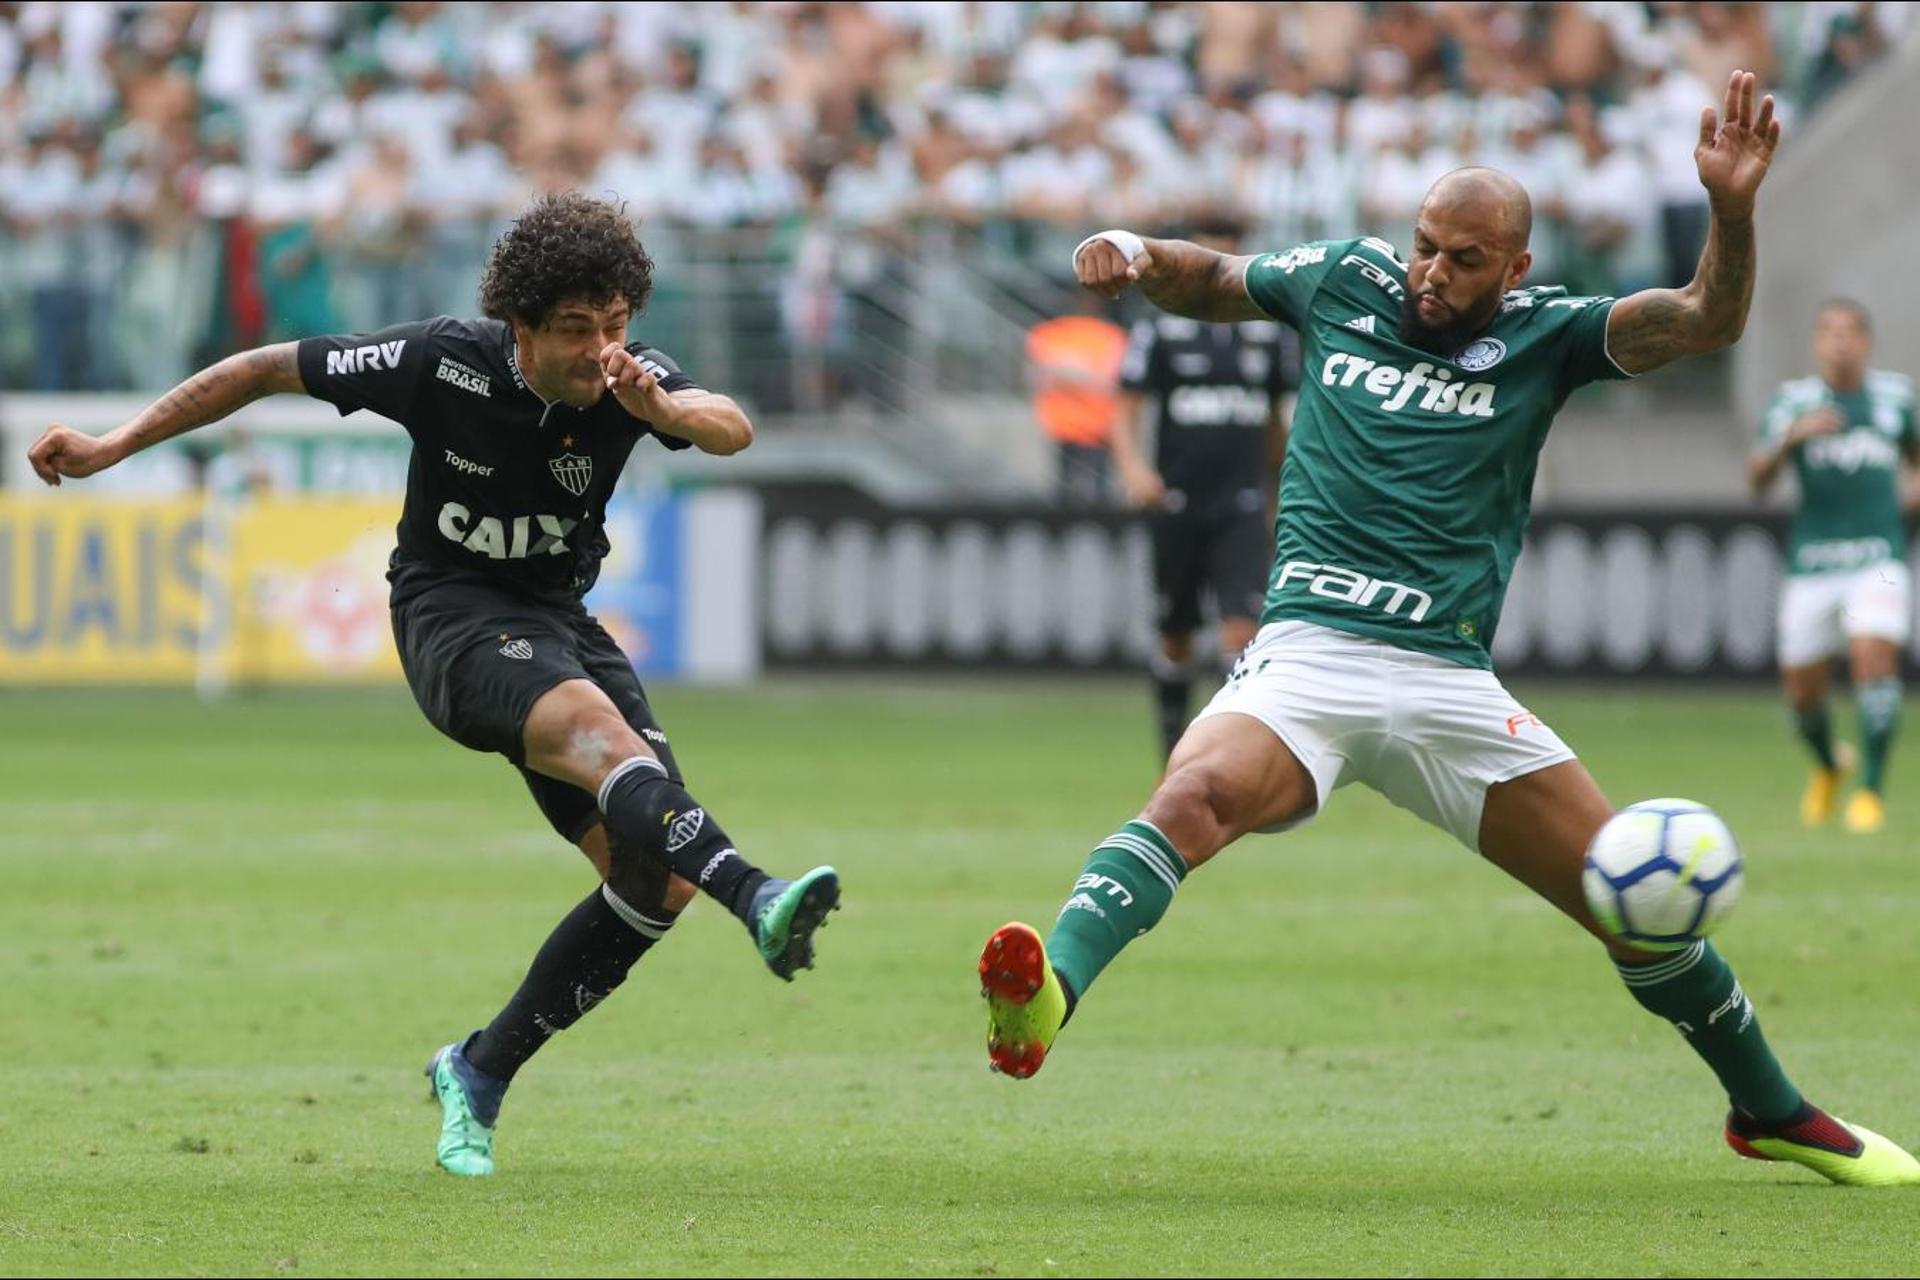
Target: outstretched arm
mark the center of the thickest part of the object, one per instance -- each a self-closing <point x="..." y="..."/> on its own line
<point x="1658" y="326"/>
<point x="207" y="396"/>
<point x="1176" y="276"/>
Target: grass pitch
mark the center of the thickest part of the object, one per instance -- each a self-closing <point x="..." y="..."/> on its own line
<point x="231" y="935"/>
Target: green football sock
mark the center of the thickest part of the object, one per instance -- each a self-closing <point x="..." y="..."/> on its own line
<point x="1696" y="991"/>
<point x="1879" y="717"/>
<point x="1817" y="730"/>
<point x="1122" y="892"/>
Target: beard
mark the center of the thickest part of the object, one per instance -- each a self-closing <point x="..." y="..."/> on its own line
<point x="1450" y="334"/>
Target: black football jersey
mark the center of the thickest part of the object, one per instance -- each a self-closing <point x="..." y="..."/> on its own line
<point x="1213" y="387"/>
<point x="502" y="487"/>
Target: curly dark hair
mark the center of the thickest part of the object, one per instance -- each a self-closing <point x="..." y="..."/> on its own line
<point x="565" y="246"/>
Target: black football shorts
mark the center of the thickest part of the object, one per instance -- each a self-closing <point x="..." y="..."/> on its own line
<point x="478" y="658"/>
<point x="1223" y="551"/>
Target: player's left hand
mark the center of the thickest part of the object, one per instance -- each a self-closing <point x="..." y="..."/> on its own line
<point x="635" y="387"/>
<point x="1736" y="147"/>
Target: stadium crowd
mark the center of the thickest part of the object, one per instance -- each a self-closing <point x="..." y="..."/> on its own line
<point x="180" y="179"/>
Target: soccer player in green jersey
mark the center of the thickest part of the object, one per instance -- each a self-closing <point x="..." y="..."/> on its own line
<point x="1427" y="388"/>
<point x="1846" y="431"/>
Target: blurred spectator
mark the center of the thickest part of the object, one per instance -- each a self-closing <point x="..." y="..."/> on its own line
<point x="228" y="169"/>
<point x="1660" y="117"/>
<point x="382" y="231"/>
<point x="814" y="323"/>
<point x="44" y="207"/>
<point x="1599" y="204"/>
<point x="1841" y="38"/>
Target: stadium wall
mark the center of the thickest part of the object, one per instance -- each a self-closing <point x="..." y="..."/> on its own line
<point x="264" y="566"/>
<point x="233" y="591"/>
<point x="1683" y="594"/>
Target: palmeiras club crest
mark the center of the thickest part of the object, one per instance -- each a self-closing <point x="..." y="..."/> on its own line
<point x="572" y="471"/>
<point x="1481" y="353"/>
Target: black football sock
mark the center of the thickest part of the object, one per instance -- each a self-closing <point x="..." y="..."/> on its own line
<point x="653" y="814"/>
<point x="577" y="967"/>
<point x="1172" y="692"/>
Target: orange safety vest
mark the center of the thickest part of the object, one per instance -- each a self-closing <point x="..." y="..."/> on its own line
<point x="1078" y="359"/>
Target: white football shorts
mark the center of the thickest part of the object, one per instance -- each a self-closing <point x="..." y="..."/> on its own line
<point x="1428" y="734"/>
<point x="1820" y="612"/>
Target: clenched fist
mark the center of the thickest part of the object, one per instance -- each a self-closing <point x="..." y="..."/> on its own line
<point x="1111" y="261"/>
<point x="635" y="386"/>
<point x="63" y="452"/>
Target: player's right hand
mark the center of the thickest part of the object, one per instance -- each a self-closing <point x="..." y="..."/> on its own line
<point x="1822" y="420"/>
<point x="64" y="452"/>
<point x="1102" y="268"/>
<point x="1143" y="487"/>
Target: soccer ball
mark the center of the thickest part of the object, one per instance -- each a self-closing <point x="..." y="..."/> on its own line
<point x="1662" y="874"/>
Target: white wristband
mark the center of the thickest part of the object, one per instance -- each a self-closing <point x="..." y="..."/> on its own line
<point x="1130" y="245"/>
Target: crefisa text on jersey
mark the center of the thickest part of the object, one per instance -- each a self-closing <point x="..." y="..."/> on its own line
<point x="1395" y="388"/>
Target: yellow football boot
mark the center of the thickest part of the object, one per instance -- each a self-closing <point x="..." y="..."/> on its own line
<point x="1818" y="801"/>
<point x="1026" y="1004"/>
<point x="1866" y="813"/>
<point x="1849" y="1154"/>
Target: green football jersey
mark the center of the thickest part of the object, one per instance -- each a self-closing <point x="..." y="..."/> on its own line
<point x="1849" y="512"/>
<point x="1409" y="477"/>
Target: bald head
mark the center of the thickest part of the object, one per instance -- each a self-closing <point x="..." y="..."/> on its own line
<point x="1469" y="248"/>
<point x="1482" y="198"/>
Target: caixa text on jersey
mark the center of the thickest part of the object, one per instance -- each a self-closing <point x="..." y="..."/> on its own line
<point x="515" y="538"/>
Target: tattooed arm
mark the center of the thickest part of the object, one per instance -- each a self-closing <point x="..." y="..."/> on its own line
<point x="1176" y="276"/>
<point x="1658" y="326"/>
<point x="207" y="396"/>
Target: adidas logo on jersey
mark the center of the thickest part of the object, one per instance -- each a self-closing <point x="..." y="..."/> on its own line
<point x="1362" y="324"/>
<point x="1396" y="389"/>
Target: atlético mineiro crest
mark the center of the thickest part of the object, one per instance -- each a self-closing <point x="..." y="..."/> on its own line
<point x="518" y="649"/>
<point x="573" y="472"/>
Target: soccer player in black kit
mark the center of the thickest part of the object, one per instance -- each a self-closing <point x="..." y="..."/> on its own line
<point x="1218" y="392"/>
<point x="521" y="424"/>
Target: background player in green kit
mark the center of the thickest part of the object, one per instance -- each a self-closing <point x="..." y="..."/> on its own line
<point x="1846" y="431"/>
<point x="1427" y="389"/>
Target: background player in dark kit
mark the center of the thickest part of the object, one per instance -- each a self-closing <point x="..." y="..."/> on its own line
<point x="1218" y="392"/>
<point x="521" y="424"/>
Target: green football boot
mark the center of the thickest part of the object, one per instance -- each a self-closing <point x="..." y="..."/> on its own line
<point x="1026" y="1005"/>
<point x="785" y="914"/>
<point x="1837" y="1151"/>
<point x="466" y="1140"/>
